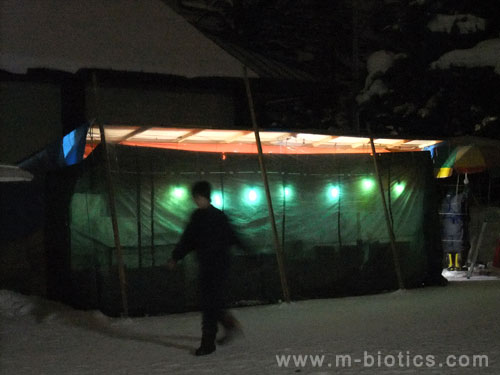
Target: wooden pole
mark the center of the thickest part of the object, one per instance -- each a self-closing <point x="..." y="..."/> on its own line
<point x="277" y="243"/>
<point x="152" y="210"/>
<point x="395" y="255"/>
<point x="112" y="207"/>
<point x="339" y="235"/>
<point x="355" y="63"/>
<point x="283" y="220"/>
<point x="138" y="207"/>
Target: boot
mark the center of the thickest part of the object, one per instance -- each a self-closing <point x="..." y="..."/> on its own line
<point x="207" y="344"/>
<point x="450" y="262"/>
<point x="457" y="263"/>
<point x="232" y="329"/>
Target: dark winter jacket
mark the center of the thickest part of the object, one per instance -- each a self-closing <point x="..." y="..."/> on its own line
<point x="210" y="235"/>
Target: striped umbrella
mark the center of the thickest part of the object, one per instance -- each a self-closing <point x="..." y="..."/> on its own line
<point x="470" y="159"/>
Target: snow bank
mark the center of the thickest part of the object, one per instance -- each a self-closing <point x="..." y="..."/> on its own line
<point x="15" y="305"/>
<point x="465" y="23"/>
<point x="484" y="54"/>
<point x="481" y="275"/>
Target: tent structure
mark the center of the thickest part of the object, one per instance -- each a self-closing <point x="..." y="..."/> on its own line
<point x="168" y="121"/>
<point x="328" y="214"/>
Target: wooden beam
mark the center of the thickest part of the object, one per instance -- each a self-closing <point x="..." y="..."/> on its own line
<point x="132" y="134"/>
<point x="182" y="138"/>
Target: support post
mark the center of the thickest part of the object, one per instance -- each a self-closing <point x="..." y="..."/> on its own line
<point x="277" y="243"/>
<point x="395" y="254"/>
<point x="355" y="63"/>
<point x="138" y="208"/>
<point x="152" y="212"/>
<point x="112" y="207"/>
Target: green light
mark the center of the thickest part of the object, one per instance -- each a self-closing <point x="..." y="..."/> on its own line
<point x="399" y="188"/>
<point x="368" y="183"/>
<point x="252" y="195"/>
<point x="334" y="192"/>
<point x="218" y="201"/>
<point x="286" y="191"/>
<point x="179" y="192"/>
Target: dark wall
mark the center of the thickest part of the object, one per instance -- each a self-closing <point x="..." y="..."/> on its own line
<point x="30" y="118"/>
<point x="158" y="100"/>
<point x="41" y="106"/>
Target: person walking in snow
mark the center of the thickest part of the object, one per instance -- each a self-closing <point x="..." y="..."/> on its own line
<point x="210" y="235"/>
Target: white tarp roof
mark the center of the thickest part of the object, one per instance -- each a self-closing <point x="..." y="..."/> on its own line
<point x="243" y="141"/>
<point x="126" y="35"/>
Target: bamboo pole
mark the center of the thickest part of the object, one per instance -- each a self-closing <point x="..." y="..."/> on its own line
<point x="152" y="212"/>
<point x="277" y="243"/>
<point x="355" y="62"/>
<point x="112" y="207"/>
<point x="138" y="208"/>
<point x="395" y="255"/>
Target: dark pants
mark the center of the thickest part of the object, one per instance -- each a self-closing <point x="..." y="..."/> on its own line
<point x="212" y="301"/>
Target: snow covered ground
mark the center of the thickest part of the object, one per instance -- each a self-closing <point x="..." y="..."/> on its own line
<point x="461" y="320"/>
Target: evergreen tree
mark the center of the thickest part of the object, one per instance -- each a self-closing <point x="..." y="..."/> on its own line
<point x="417" y="96"/>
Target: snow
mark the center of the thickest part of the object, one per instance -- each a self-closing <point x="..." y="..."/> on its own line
<point x="377" y="88"/>
<point x="12" y="173"/>
<point x="479" y="274"/>
<point x="127" y="35"/>
<point x="378" y="64"/>
<point x="484" y="54"/>
<point x="44" y="337"/>
<point x="465" y="23"/>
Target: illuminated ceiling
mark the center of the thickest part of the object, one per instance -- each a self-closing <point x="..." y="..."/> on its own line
<point x="243" y="141"/>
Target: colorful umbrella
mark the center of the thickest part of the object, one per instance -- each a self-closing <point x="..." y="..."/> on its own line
<point x="470" y="159"/>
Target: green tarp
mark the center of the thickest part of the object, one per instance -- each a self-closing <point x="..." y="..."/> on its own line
<point x="328" y="211"/>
